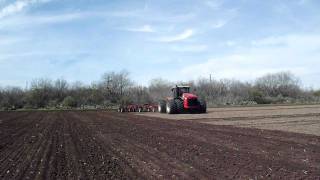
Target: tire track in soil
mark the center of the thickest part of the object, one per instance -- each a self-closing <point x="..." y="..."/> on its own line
<point x="53" y="158"/>
<point x="108" y="164"/>
<point x="7" y="122"/>
<point x="19" y="152"/>
<point x="262" y="108"/>
<point x="267" y="141"/>
<point x="43" y="132"/>
<point x="205" y="120"/>
<point x="193" y="166"/>
<point x="59" y="147"/>
<point x="18" y="144"/>
<point x="148" y="160"/>
<point x="72" y="153"/>
<point x="232" y="137"/>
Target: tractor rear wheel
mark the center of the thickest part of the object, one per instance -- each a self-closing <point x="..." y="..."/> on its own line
<point x="179" y="104"/>
<point x="203" y="106"/>
<point x="162" y="106"/>
<point x="171" y="106"/>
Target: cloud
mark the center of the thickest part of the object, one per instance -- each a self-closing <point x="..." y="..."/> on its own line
<point x="298" y="53"/>
<point x="223" y="20"/>
<point x="179" y="37"/>
<point x="18" y="6"/>
<point x="145" y="28"/>
<point x="213" y="4"/>
<point x="31" y="21"/>
<point x="125" y="14"/>
<point x="13" y="8"/>
<point x="190" y="48"/>
<point x="43" y="19"/>
<point x="271" y="41"/>
<point x="47" y="19"/>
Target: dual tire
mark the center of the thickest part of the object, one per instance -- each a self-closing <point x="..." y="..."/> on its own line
<point x="172" y="106"/>
<point x="162" y="106"/>
<point x="175" y="106"/>
<point x="203" y="106"/>
<point x="179" y="104"/>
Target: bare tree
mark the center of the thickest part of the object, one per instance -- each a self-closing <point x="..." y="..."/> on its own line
<point x="115" y="85"/>
<point x="159" y="88"/>
<point x="140" y="95"/>
<point x="12" y="98"/>
<point x="40" y="93"/>
<point x="60" y="89"/>
<point x="80" y="93"/>
<point x="282" y="83"/>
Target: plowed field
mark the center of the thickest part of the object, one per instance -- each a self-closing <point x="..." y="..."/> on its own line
<point x="300" y="119"/>
<point x="110" y="145"/>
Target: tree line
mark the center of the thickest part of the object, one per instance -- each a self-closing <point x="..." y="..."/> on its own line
<point x="116" y="88"/>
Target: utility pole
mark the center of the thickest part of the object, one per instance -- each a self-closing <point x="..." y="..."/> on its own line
<point x="121" y="85"/>
<point x="211" y="88"/>
<point x="27" y="86"/>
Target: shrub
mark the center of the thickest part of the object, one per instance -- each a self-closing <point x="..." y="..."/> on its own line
<point x="69" y="102"/>
<point x="317" y="93"/>
<point x="257" y="96"/>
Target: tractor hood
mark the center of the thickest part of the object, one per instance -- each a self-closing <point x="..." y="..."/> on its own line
<point x="189" y="96"/>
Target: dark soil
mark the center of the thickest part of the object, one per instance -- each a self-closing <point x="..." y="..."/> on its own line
<point x="109" y="145"/>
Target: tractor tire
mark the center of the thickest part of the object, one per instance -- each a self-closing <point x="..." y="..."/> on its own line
<point x="203" y="106"/>
<point x="171" y="107"/>
<point x="180" y="107"/>
<point x="162" y="106"/>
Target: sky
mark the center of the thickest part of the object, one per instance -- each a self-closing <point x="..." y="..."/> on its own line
<point x="177" y="40"/>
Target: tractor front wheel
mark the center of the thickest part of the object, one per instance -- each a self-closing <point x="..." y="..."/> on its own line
<point x="179" y="104"/>
<point x="162" y="106"/>
<point x="171" y="107"/>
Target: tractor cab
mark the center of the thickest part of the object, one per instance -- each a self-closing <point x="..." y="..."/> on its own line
<point x="178" y="91"/>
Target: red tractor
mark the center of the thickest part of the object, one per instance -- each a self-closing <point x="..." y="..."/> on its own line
<point x="182" y="101"/>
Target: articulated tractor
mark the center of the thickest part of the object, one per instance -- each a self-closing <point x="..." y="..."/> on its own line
<point x="182" y="101"/>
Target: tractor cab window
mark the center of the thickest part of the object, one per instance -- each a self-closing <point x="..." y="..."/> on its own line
<point x="184" y="90"/>
<point x="178" y="91"/>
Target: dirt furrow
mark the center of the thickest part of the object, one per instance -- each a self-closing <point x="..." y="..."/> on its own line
<point x="109" y="145"/>
<point x="186" y="153"/>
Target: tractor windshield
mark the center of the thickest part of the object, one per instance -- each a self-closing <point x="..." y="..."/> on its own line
<point x="184" y="90"/>
<point x="178" y="91"/>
